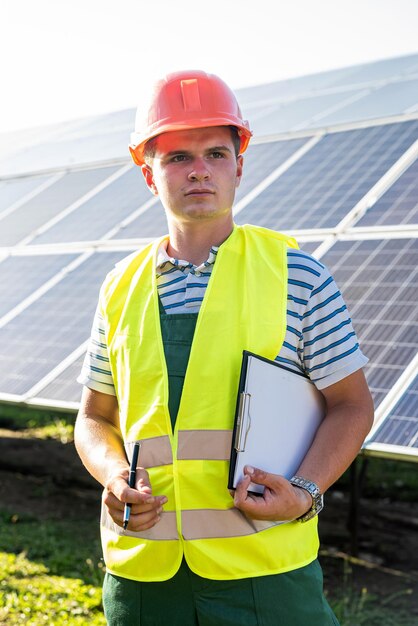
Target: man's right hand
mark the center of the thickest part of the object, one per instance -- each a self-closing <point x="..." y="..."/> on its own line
<point x="145" y="508"/>
<point x="99" y="443"/>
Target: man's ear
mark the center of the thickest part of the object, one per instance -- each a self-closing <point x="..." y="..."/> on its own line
<point x="240" y="164"/>
<point x="149" y="178"/>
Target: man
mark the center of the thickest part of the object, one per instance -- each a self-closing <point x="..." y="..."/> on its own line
<point x="193" y="553"/>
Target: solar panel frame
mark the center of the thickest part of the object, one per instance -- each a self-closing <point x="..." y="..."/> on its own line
<point x="400" y="426"/>
<point x="395" y="435"/>
<point x="398" y="205"/>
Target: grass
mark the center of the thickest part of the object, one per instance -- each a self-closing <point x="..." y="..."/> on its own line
<point x="49" y="576"/>
<point x="56" y="544"/>
<point x="30" y="422"/>
<point x="364" y="609"/>
<point x="354" y="607"/>
<point x="31" y="595"/>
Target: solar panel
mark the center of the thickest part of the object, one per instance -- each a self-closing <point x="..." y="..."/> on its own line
<point x="309" y="246"/>
<point x="381" y="70"/>
<point x="65" y="388"/>
<point x="105" y="137"/>
<point x="13" y="190"/>
<point x="399" y="205"/>
<point x="151" y="223"/>
<point x="262" y="159"/>
<point x="296" y="114"/>
<point x="64" y="152"/>
<point x="251" y="98"/>
<point x="381" y="102"/>
<point x="327" y="182"/>
<point x="400" y="427"/>
<point x="379" y="281"/>
<point x="104" y="124"/>
<point x="52" y="327"/>
<point x="342" y="77"/>
<point x="104" y="211"/>
<point x="20" y="276"/>
<point x="290" y="183"/>
<point x="46" y="205"/>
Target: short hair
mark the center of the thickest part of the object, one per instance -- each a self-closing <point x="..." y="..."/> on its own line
<point x="150" y="146"/>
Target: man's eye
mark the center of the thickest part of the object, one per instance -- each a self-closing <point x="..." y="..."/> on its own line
<point x="177" y="158"/>
<point x="217" y="155"/>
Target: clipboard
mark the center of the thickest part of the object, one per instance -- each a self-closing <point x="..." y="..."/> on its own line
<point x="277" y="415"/>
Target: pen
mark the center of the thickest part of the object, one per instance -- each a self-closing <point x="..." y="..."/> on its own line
<point x="131" y="483"/>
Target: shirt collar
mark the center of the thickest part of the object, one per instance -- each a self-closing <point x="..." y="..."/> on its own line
<point x="163" y="258"/>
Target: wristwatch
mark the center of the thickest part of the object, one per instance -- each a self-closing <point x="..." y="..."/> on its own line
<point x="317" y="497"/>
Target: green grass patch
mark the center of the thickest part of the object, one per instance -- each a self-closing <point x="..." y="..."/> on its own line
<point x="57" y="429"/>
<point x="29" y="594"/>
<point x="56" y="545"/>
<point x="30" y="422"/>
<point x="48" y="575"/>
<point x="16" y="417"/>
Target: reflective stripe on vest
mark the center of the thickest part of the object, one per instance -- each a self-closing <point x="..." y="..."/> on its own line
<point x="200" y="524"/>
<point x="190" y="466"/>
<point x="192" y="444"/>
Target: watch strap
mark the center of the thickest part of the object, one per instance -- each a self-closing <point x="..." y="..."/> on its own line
<point x="314" y="491"/>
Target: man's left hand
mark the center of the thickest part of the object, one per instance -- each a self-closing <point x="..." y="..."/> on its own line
<point x="281" y="501"/>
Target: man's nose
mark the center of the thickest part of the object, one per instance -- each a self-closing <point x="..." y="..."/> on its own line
<point x="199" y="171"/>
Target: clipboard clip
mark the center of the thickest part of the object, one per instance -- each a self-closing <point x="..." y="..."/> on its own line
<point x="243" y="419"/>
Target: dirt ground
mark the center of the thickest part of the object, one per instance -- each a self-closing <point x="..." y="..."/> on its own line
<point x="44" y="478"/>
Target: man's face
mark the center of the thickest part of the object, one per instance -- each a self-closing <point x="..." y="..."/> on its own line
<point x="195" y="173"/>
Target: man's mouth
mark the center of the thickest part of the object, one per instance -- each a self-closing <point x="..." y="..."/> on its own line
<point x="199" y="192"/>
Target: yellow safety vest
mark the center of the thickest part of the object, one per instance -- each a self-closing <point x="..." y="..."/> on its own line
<point x="244" y="308"/>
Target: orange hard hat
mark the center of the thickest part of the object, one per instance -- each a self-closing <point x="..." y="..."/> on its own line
<point x="186" y="100"/>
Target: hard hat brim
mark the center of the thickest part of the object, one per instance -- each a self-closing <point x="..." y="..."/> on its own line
<point x="138" y="141"/>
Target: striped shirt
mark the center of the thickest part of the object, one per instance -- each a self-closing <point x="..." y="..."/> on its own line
<point x="320" y="340"/>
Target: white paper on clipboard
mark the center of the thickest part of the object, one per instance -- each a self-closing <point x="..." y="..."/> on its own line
<point x="278" y="415"/>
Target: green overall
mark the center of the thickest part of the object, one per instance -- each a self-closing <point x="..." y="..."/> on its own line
<point x="291" y="599"/>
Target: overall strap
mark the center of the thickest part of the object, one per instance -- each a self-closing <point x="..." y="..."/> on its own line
<point x="177" y="331"/>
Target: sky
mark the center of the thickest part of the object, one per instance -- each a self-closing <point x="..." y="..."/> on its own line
<point x="66" y="59"/>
